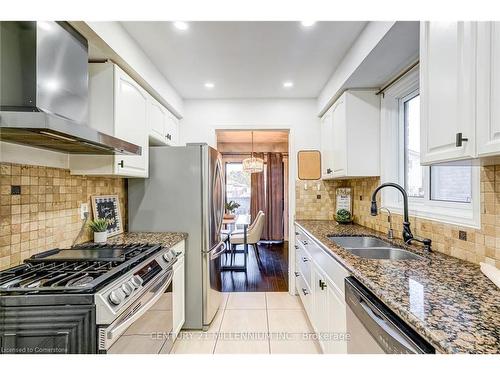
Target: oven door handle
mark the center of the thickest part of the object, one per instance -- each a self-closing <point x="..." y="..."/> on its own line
<point x="118" y="330"/>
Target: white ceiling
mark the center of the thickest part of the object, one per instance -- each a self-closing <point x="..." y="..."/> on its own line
<point x="246" y="59"/>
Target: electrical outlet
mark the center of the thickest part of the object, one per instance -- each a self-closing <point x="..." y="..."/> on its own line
<point x="84" y="209"/>
<point x="462" y="235"/>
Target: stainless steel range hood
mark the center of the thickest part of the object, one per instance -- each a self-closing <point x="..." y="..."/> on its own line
<point x="44" y="90"/>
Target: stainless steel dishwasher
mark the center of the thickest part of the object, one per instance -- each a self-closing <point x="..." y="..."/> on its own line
<point x="374" y="328"/>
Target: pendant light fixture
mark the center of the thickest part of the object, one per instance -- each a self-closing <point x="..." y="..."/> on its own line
<point x="252" y="164"/>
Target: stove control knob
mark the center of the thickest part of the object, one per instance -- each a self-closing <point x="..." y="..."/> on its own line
<point x="167" y="256"/>
<point x="136" y="281"/>
<point x="127" y="289"/>
<point x="116" y="297"/>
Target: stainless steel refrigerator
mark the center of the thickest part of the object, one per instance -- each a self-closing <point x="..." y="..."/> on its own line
<point x="185" y="193"/>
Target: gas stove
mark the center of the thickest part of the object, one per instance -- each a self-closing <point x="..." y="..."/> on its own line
<point x="82" y="269"/>
<point x="83" y="299"/>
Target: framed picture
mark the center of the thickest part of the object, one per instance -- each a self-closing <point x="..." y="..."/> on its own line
<point x="108" y="207"/>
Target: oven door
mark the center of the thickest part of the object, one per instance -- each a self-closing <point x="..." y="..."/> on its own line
<point x="146" y="326"/>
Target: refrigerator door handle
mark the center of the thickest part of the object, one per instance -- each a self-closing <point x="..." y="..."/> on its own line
<point x="220" y="179"/>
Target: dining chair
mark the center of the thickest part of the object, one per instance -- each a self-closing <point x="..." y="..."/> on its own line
<point x="254" y="233"/>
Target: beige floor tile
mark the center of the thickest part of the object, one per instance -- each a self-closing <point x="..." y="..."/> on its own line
<point x="225" y="297"/>
<point x="283" y="301"/>
<point x="294" y="343"/>
<point x="244" y="321"/>
<point x="136" y="344"/>
<point x="244" y="300"/>
<point x="258" y="346"/>
<point x="292" y="321"/>
<point x="215" y="325"/>
<point x="194" y="343"/>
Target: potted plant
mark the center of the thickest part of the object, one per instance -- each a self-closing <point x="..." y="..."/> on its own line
<point x="343" y="217"/>
<point x="231" y="206"/>
<point x="99" y="227"/>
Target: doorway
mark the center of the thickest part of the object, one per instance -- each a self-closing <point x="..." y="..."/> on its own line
<point x="266" y="191"/>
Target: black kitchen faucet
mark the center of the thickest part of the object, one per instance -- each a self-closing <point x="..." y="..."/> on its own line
<point x="407" y="234"/>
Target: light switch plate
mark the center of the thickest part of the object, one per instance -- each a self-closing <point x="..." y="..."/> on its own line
<point x="84" y="208"/>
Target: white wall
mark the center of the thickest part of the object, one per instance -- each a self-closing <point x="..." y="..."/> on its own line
<point x="367" y="40"/>
<point x="203" y="117"/>
<point x="116" y="37"/>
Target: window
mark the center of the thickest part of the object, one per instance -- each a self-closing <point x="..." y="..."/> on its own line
<point x="414" y="173"/>
<point x="448" y="193"/>
<point x="238" y="187"/>
<point x="445" y="183"/>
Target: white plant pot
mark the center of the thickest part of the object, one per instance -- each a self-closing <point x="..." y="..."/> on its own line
<point x="100" y="237"/>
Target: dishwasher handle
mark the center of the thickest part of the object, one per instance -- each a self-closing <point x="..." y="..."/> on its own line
<point x="386" y="327"/>
<point x="391" y="333"/>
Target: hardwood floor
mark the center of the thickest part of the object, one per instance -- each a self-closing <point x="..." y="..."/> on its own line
<point x="268" y="274"/>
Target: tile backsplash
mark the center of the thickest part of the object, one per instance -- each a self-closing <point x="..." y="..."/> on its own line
<point x="474" y="245"/>
<point x="45" y="214"/>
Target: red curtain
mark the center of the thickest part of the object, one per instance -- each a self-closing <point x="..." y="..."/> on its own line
<point x="267" y="195"/>
<point x="258" y="194"/>
<point x="274" y="197"/>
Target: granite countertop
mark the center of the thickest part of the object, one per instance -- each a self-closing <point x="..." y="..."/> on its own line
<point x="167" y="239"/>
<point x="447" y="300"/>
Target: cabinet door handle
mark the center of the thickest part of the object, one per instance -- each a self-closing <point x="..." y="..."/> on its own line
<point x="322" y="284"/>
<point x="328" y="171"/>
<point x="304" y="290"/>
<point x="296" y="247"/>
<point x="304" y="259"/>
<point x="305" y="243"/>
<point x="120" y="164"/>
<point x="169" y="137"/>
<point x="296" y="274"/>
<point x="297" y="233"/>
<point x="459" y="139"/>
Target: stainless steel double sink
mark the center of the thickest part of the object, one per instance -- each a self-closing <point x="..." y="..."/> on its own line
<point x="372" y="248"/>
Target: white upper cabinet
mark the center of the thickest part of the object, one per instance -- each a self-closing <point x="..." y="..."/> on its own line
<point x="488" y="89"/>
<point x="349" y="130"/>
<point x="157" y="118"/>
<point x="447" y="90"/>
<point x="172" y="130"/>
<point x="327" y="145"/>
<point x="162" y="124"/>
<point x="117" y="106"/>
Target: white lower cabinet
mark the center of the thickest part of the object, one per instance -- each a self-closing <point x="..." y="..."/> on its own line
<point x="321" y="289"/>
<point x="178" y="291"/>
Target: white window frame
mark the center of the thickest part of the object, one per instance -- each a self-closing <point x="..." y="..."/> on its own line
<point x="393" y="168"/>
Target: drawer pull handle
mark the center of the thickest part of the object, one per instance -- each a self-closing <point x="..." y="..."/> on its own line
<point x="322" y="285"/>
<point x="296" y="247"/>
<point x="297" y="274"/>
<point x="297" y="233"/>
<point x="305" y="243"/>
<point x="304" y="290"/>
<point x="304" y="259"/>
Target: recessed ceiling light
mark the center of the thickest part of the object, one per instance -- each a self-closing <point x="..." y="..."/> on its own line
<point x="308" y="23"/>
<point x="180" y="25"/>
<point x="288" y="84"/>
<point x="209" y="85"/>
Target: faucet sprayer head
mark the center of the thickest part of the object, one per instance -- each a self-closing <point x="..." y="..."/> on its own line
<point x="373" y="209"/>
